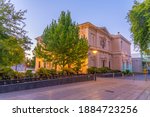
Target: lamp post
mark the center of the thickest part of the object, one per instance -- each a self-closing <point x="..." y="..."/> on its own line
<point x="94" y="53"/>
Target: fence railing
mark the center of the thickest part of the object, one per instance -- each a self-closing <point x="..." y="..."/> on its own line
<point x="38" y="82"/>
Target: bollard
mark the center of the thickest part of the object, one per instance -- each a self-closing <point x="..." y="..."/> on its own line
<point x="145" y="74"/>
<point x="133" y="76"/>
<point x="145" y="77"/>
<point x="113" y="75"/>
<point x="122" y="75"/>
<point x="95" y="76"/>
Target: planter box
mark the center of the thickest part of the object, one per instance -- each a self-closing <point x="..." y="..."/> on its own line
<point x="44" y="83"/>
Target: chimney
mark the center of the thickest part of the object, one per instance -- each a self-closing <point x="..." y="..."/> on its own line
<point x="118" y="33"/>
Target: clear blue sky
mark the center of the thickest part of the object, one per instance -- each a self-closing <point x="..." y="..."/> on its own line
<point x="109" y="13"/>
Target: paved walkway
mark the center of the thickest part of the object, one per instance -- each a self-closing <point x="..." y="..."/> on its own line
<point x="138" y="77"/>
<point x="103" y="88"/>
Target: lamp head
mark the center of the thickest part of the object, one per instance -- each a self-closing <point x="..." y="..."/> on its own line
<point x="94" y="51"/>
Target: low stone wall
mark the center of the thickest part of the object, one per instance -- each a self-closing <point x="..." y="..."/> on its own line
<point x="44" y="83"/>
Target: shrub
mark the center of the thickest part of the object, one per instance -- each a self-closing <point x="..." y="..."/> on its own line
<point x="52" y="71"/>
<point x="60" y="73"/>
<point x="1" y="74"/>
<point x="77" y="70"/>
<point x="29" y="73"/>
<point x="68" y="71"/>
<point x="104" y="70"/>
<point x="127" y="72"/>
<point x="116" y="71"/>
<point x="7" y="73"/>
<point x="19" y="75"/>
<point x="92" y="70"/>
<point x="42" y="72"/>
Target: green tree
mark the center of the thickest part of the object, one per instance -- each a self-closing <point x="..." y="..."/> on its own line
<point x="139" y="19"/>
<point x="30" y="62"/>
<point x="11" y="53"/>
<point x="62" y="44"/>
<point x="13" y="39"/>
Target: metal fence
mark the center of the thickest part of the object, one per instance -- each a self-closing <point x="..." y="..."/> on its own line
<point x="32" y="79"/>
<point x="38" y="82"/>
<point x="133" y="76"/>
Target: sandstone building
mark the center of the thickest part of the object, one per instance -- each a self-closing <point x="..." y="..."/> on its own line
<point x="105" y="49"/>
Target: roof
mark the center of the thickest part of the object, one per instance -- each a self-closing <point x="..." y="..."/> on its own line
<point x="39" y="37"/>
<point x="136" y="55"/>
<point x="104" y="29"/>
<point x="122" y="37"/>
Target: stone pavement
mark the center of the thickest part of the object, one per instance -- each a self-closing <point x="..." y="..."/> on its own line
<point x="102" y="89"/>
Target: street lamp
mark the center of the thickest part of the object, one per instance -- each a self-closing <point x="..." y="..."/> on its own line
<point x="94" y="52"/>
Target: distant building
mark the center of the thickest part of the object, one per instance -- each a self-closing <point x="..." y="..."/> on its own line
<point x="105" y="49"/>
<point x="137" y="65"/>
<point x="140" y="62"/>
<point x="19" y="67"/>
<point x="146" y="62"/>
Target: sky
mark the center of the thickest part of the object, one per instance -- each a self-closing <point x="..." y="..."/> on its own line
<point x="109" y="13"/>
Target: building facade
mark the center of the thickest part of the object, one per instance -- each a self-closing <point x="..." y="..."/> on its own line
<point x="105" y="49"/>
<point x="137" y="65"/>
<point x="141" y="62"/>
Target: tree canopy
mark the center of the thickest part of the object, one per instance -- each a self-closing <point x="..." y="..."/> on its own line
<point x="11" y="53"/>
<point x="62" y="44"/>
<point x="13" y="38"/>
<point x="139" y="19"/>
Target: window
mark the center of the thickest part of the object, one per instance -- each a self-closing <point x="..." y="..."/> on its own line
<point x="44" y="64"/>
<point x="103" y="43"/>
<point x="109" y="64"/>
<point x="121" y="45"/>
<point x="109" y="46"/>
<point x="39" y="64"/>
<point x="123" y="67"/>
<point x="127" y="65"/>
<point x="103" y="63"/>
<point x="93" y="39"/>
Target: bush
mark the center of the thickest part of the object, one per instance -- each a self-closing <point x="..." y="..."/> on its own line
<point x="29" y="73"/>
<point x="1" y="74"/>
<point x="116" y="71"/>
<point x="127" y="72"/>
<point x="68" y="71"/>
<point x="52" y="71"/>
<point x="92" y="70"/>
<point x="42" y="72"/>
<point x="104" y="70"/>
<point x="60" y="73"/>
<point x="7" y="73"/>
<point x="77" y="70"/>
<point x="19" y="75"/>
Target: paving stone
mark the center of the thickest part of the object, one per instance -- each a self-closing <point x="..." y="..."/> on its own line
<point x="102" y="89"/>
